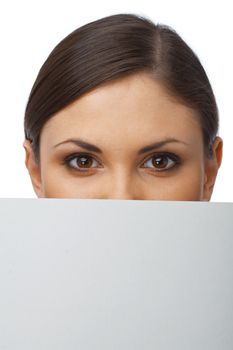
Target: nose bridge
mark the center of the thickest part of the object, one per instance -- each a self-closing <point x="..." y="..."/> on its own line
<point x="122" y="185"/>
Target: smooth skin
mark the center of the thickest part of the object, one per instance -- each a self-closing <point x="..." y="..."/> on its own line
<point x="120" y="118"/>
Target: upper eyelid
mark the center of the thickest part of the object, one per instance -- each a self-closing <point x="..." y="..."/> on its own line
<point x="165" y="153"/>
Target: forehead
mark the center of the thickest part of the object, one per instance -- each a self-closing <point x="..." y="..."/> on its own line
<point x="134" y="107"/>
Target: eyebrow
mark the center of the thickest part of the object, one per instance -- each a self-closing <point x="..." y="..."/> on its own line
<point x="93" y="148"/>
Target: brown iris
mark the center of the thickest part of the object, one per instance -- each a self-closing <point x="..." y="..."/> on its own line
<point x="160" y="162"/>
<point x="83" y="161"/>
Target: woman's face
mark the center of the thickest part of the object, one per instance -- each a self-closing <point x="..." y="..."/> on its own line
<point x="124" y="140"/>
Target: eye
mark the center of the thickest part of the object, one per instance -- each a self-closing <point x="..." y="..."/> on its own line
<point x="158" y="162"/>
<point x="162" y="162"/>
<point x="80" y="162"/>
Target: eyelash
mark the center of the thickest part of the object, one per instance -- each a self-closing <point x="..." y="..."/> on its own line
<point x="172" y="156"/>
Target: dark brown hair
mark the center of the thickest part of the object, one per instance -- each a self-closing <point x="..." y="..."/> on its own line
<point x="113" y="47"/>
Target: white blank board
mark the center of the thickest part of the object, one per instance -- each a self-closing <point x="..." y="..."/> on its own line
<point x="86" y="274"/>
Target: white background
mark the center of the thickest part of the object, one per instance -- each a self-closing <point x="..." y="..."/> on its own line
<point x="29" y="30"/>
